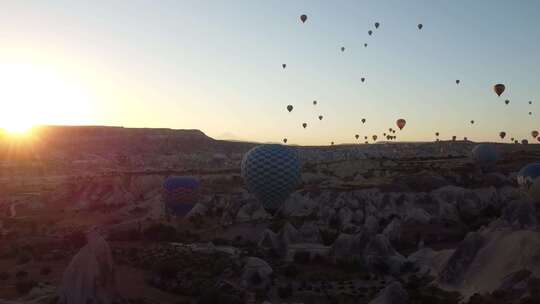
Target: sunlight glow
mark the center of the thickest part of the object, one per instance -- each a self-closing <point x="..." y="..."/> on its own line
<point x="35" y="94"/>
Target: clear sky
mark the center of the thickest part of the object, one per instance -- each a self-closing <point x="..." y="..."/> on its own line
<point x="216" y="66"/>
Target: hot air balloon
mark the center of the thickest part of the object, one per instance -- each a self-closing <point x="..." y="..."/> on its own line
<point x="485" y="155"/>
<point x="530" y="102"/>
<point x="420" y="26"/>
<point x="538" y="138"/>
<point x="370" y="32"/>
<point x="512" y="139"/>
<point x="343" y="49"/>
<point x="289" y="108"/>
<point x="507" y="101"/>
<point x="472" y="122"/>
<point x="362" y="79"/>
<point x="389" y="129"/>
<point x="534" y="134"/>
<point x="377" y="25"/>
<point x="179" y="195"/>
<point x="499" y="89"/>
<point x="320" y="117"/>
<point x="374" y="137"/>
<point x="384" y="134"/>
<point x="437" y="134"/>
<point x="502" y="134"/>
<point x="530" y="113"/>
<point x="271" y="173"/>
<point x="516" y="141"/>
<point x="465" y="138"/>
<point x="356" y="136"/>
<point x="314" y="102"/>
<point x="401" y="123"/>
<point x="304" y="125"/>
<point x="365" y="137"/>
<point x="457" y="81"/>
<point x="524" y="142"/>
<point x="283" y="65"/>
<point x="365" y="44"/>
<point x="303" y="18"/>
<point x="332" y="143"/>
<point x="363" y="120"/>
<point x="454" y="138"/>
<point x="528" y="179"/>
<point x="285" y="140"/>
<point x="366" y="142"/>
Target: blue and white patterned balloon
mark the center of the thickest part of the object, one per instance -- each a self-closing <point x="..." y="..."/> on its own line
<point x="271" y="173"/>
<point x="528" y="179"/>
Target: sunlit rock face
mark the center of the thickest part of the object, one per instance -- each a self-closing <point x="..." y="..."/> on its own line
<point x="90" y="276"/>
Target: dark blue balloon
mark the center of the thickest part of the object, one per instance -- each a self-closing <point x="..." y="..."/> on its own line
<point x="528" y="174"/>
<point x="485" y="155"/>
<point x="180" y="194"/>
<point x="271" y="173"/>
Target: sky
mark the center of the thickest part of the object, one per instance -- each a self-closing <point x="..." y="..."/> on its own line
<point x="216" y="66"/>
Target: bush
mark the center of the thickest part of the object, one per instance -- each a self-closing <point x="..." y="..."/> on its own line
<point x="160" y="233"/>
<point x="21" y="274"/>
<point x="302" y="257"/>
<point x="45" y="271"/>
<point x="4" y="276"/>
<point x="23" y="287"/>
<point x="285" y="292"/>
<point x="290" y="271"/>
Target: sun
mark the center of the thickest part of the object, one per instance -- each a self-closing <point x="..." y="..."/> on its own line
<point x="38" y="94"/>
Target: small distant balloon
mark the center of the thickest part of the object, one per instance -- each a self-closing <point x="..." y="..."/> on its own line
<point x="332" y="143"/>
<point x="472" y="122"/>
<point x="283" y="65"/>
<point x="530" y="102"/>
<point x="377" y="24"/>
<point x="304" y="125"/>
<point x="370" y="32"/>
<point x="356" y="136"/>
<point x="362" y="79"/>
<point x="401" y="123"/>
<point x="320" y="117"/>
<point x="303" y="18"/>
<point x="524" y="142"/>
<point x="314" y="102"/>
<point x="343" y="49"/>
<point x="530" y="113"/>
<point x="507" y="101"/>
<point x="374" y="137"/>
<point x="289" y="108"/>
<point x="454" y="138"/>
<point x="437" y="134"/>
<point x="512" y="139"/>
<point x="363" y="120"/>
<point x="534" y="134"/>
<point x="502" y="135"/>
<point x="420" y="26"/>
<point x="457" y="81"/>
<point x="365" y="137"/>
<point x="499" y="89"/>
<point x="365" y="44"/>
<point x="516" y="141"/>
<point x="284" y="140"/>
<point x="465" y="138"/>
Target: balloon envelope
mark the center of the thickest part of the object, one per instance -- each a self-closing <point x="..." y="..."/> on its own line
<point x="528" y="179"/>
<point x="401" y="123"/>
<point x="320" y="117"/>
<point x="499" y="89"/>
<point x="485" y="155"/>
<point x="420" y="26"/>
<point x="271" y="173"/>
<point x="289" y="108"/>
<point x="502" y="134"/>
<point x="303" y="18"/>
<point x="534" y="134"/>
<point x="179" y="194"/>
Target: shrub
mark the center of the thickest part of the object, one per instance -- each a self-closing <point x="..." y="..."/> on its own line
<point x="302" y="257"/>
<point x="23" y="287"/>
<point x="285" y="292"/>
<point x="45" y="271"/>
<point x="160" y="233"/>
<point x="4" y="276"/>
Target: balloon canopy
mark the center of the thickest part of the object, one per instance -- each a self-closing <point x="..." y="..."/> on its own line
<point x="528" y="179"/>
<point x="271" y="173"/>
<point x="499" y="89"/>
<point x="180" y="194"/>
<point x="485" y="155"/>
